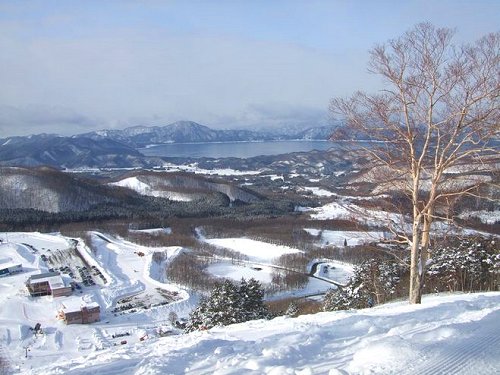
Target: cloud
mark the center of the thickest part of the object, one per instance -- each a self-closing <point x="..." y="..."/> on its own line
<point x="273" y="114"/>
<point x="88" y="65"/>
<point x="124" y="76"/>
<point x="41" y="119"/>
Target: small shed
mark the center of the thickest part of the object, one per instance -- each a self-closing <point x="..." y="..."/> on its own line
<point x="80" y="312"/>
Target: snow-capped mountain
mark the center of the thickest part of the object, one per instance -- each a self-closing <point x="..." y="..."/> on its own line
<point x="192" y="132"/>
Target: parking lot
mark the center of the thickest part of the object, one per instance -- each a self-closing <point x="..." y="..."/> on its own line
<point x="70" y="262"/>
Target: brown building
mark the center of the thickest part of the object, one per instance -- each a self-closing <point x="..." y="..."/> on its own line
<point x="82" y="313"/>
<point x="45" y="284"/>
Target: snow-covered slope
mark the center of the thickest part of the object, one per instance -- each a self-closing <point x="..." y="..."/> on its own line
<point x="183" y="186"/>
<point x="50" y="190"/>
<point x="454" y="334"/>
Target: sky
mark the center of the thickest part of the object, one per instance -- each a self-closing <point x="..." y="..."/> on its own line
<point x="69" y="67"/>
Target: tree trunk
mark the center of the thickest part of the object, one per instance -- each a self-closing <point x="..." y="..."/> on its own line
<point x="416" y="266"/>
<point x="425" y="238"/>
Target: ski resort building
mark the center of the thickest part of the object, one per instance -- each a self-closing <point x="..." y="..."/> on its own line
<point x="79" y="312"/>
<point x="50" y="283"/>
<point x="7" y="269"/>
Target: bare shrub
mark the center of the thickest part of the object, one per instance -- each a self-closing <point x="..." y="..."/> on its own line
<point x="282" y="280"/>
<point x="305" y="306"/>
<point x="294" y="261"/>
<point x="189" y="270"/>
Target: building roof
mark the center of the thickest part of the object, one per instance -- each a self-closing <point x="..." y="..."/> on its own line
<point x="4" y="266"/>
<point x="76" y="304"/>
<point x="53" y="278"/>
<point x="43" y="275"/>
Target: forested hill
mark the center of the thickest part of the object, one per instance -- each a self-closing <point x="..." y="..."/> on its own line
<point x="70" y="152"/>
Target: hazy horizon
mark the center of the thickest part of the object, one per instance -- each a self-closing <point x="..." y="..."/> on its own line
<point x="74" y="67"/>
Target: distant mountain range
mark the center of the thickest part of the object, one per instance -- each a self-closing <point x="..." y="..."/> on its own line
<point x="191" y="132"/>
<point x="119" y="148"/>
<point x="69" y="152"/>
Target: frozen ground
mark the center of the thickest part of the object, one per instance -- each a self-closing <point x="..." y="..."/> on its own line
<point x="452" y="334"/>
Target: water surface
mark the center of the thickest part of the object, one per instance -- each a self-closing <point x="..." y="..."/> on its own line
<point x="233" y="149"/>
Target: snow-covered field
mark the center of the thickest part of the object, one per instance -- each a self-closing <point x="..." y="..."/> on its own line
<point x="235" y="272"/>
<point x="194" y="168"/>
<point x="453" y="334"/>
<point x="319" y="192"/>
<point x="135" y="184"/>
<point x="257" y="251"/>
<point x="487" y="217"/>
<point x="339" y="238"/>
<point x="350" y="211"/>
<point x="261" y="265"/>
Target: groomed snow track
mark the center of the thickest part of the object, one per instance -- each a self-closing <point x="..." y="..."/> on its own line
<point x="463" y="356"/>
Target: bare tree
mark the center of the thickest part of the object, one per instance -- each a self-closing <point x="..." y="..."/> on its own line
<point x="439" y="113"/>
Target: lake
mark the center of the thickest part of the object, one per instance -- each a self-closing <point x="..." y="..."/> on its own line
<point x="233" y="149"/>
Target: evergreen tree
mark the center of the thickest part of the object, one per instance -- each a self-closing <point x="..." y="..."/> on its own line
<point x="223" y="306"/>
<point x="292" y="310"/>
<point x="468" y="264"/>
<point x="229" y="304"/>
<point x="374" y="281"/>
<point x="197" y="317"/>
<point x="252" y="300"/>
<point x="353" y="296"/>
